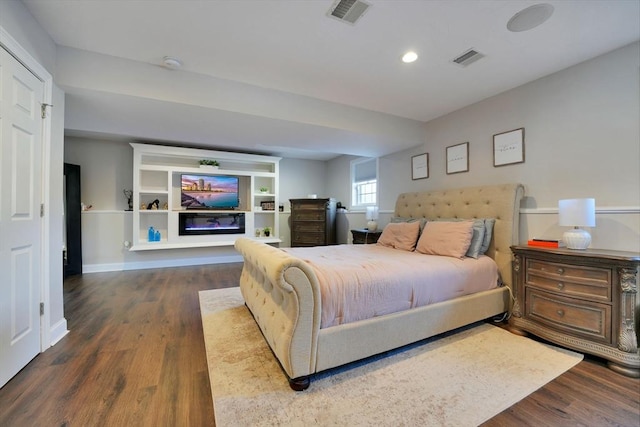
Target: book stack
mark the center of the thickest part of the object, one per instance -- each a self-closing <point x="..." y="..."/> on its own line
<point x="547" y="243"/>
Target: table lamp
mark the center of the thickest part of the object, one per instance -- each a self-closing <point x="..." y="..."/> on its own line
<point x="577" y="213"/>
<point x="372" y="216"/>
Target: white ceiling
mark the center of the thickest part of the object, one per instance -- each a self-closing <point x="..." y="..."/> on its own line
<point x="292" y="46"/>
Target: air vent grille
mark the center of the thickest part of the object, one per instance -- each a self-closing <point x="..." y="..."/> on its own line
<point x="348" y="10"/>
<point x="468" y="57"/>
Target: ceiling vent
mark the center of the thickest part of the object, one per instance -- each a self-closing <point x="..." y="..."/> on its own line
<point x="468" y="57"/>
<point x="348" y="10"/>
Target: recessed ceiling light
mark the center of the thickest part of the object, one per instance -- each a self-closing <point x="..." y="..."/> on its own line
<point x="409" y="57"/>
<point x="171" y="62"/>
<point x="531" y="17"/>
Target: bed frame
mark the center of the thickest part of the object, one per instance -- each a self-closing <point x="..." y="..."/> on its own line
<point x="282" y="291"/>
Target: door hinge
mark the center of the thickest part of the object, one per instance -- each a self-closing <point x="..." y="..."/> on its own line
<point x="41" y="210"/>
<point x="43" y="110"/>
<point x="41" y="309"/>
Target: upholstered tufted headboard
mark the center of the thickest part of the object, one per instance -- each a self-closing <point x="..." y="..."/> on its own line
<point x="501" y="202"/>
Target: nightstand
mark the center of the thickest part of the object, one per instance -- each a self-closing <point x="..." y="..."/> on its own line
<point x="586" y="300"/>
<point x="364" y="236"/>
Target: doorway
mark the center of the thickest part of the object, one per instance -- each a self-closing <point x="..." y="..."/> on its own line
<point x="72" y="259"/>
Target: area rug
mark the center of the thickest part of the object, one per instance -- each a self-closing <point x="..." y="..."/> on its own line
<point x="461" y="378"/>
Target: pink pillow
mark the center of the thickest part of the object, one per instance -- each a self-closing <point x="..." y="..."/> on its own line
<point x="446" y="238"/>
<point x="401" y="235"/>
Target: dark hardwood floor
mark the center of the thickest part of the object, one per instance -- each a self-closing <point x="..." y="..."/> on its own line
<point x="135" y="357"/>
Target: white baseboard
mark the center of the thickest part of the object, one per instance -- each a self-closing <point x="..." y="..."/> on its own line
<point x="125" y="266"/>
<point x="58" y="331"/>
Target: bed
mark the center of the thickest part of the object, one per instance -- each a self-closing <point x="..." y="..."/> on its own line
<point x="283" y="291"/>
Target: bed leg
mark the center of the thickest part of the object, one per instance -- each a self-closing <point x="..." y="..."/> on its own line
<point x="300" y="383"/>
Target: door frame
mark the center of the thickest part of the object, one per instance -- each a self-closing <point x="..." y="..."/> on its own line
<point x="25" y="58"/>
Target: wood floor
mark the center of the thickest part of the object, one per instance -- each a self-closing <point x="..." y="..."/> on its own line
<point x="135" y="357"/>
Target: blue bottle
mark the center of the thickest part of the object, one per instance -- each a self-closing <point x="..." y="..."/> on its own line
<point x="152" y="234"/>
<point x="157" y="236"/>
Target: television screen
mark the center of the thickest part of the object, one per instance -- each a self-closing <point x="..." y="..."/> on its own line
<point x="209" y="191"/>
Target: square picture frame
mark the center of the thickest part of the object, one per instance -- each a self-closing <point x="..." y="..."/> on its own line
<point x="508" y="147"/>
<point x="420" y="166"/>
<point x="458" y="158"/>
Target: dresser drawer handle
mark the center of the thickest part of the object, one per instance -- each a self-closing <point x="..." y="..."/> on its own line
<point x="560" y="270"/>
<point x="560" y="313"/>
<point x="560" y="285"/>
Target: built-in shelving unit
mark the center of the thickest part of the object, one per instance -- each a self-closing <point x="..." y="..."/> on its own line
<point x="157" y="172"/>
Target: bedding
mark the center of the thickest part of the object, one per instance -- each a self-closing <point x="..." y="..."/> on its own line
<point x="282" y="290"/>
<point x="359" y="282"/>
<point x="446" y="238"/>
<point x="403" y="236"/>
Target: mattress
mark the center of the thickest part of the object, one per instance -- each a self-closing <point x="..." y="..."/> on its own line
<point x="359" y="282"/>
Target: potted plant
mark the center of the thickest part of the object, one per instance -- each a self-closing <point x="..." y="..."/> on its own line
<point x="267" y="231"/>
<point x="264" y="190"/>
<point x="208" y="163"/>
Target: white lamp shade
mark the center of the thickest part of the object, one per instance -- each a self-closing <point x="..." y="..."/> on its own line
<point x="372" y="212"/>
<point x="372" y="215"/>
<point x="577" y="212"/>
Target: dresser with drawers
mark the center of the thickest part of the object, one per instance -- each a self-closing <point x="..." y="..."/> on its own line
<point x="583" y="300"/>
<point x="313" y="222"/>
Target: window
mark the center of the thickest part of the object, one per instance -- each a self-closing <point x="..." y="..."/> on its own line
<point x="364" y="182"/>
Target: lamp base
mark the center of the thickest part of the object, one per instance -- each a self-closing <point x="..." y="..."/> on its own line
<point x="577" y="238"/>
<point x="372" y="225"/>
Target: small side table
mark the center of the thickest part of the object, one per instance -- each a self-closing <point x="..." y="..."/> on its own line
<point x="364" y="236"/>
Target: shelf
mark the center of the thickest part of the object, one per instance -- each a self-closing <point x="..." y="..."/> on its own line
<point x="197" y="170"/>
<point x="209" y="211"/>
<point x="156" y="175"/>
<point x="106" y="211"/>
<point x="145" y="246"/>
<point x="153" y="191"/>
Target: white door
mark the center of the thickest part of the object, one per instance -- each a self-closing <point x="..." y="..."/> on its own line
<point x="21" y="94"/>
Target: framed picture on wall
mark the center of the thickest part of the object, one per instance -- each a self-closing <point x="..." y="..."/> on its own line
<point x="458" y="158"/>
<point x="420" y="166"/>
<point x="508" y="147"/>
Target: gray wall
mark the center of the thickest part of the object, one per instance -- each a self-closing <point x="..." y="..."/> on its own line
<point x="582" y="139"/>
<point x="107" y="169"/>
<point x="18" y="22"/>
<point x="299" y="178"/>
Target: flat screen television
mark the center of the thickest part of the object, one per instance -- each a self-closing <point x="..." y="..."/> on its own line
<point x="209" y="191"/>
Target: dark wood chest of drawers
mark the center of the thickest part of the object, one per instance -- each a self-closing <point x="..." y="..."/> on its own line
<point x="313" y="222"/>
<point x="584" y="300"/>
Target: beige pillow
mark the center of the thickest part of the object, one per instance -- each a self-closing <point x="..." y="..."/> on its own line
<point x="402" y="235"/>
<point x="446" y="238"/>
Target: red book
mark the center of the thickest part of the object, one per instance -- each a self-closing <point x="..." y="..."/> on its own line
<point x="547" y="243"/>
